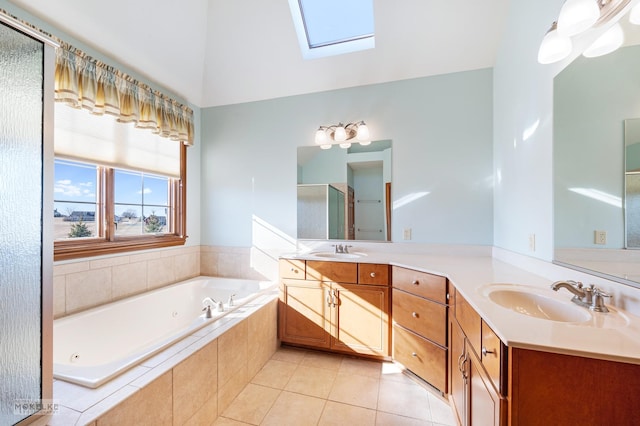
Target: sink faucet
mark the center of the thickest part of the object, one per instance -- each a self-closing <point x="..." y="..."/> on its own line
<point x="590" y="297"/>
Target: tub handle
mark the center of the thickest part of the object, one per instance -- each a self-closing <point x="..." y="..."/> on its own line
<point x="208" y="314"/>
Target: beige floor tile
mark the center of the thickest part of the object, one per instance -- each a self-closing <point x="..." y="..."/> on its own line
<point x="275" y="374"/>
<point x="289" y="354"/>
<point x="355" y="390"/>
<point x="322" y="360"/>
<point x="393" y="371"/>
<point x="388" y="419"/>
<point x="252" y="404"/>
<point x="338" y="414"/>
<point x="295" y="410"/>
<point x="224" y="421"/>
<point x="312" y="381"/>
<point x="405" y="399"/>
<point x="441" y="412"/>
<point x="362" y="367"/>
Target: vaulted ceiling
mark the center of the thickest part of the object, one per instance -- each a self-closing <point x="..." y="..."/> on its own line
<point x="219" y="52"/>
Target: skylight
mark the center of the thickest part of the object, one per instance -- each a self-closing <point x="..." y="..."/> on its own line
<point x="333" y="27"/>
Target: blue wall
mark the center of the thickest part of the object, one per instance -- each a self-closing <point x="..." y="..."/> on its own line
<point x="441" y="128"/>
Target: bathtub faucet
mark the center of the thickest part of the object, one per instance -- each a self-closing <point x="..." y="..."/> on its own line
<point x="208" y="303"/>
<point x="230" y="303"/>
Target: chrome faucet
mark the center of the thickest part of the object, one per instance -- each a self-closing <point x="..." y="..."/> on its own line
<point x="590" y="297"/>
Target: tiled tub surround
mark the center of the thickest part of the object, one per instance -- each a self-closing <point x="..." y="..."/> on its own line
<point x="83" y="284"/>
<point x="190" y="382"/>
<point x="94" y="346"/>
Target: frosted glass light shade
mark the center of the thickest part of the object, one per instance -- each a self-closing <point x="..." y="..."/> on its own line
<point x="345" y="145"/>
<point x="554" y="47"/>
<point x="634" y="16"/>
<point x="340" y="134"/>
<point x="577" y="16"/>
<point x="326" y="146"/>
<point x="321" y="137"/>
<point x="606" y="43"/>
<point x="363" y="132"/>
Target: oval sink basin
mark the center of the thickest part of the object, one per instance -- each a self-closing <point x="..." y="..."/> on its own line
<point x="332" y="255"/>
<point x="539" y="306"/>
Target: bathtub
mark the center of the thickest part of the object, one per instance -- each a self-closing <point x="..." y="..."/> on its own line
<point x="94" y="346"/>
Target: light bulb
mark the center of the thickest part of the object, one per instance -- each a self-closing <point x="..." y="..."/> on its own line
<point x="634" y="16"/>
<point x="321" y="137"/>
<point x="606" y="43"/>
<point x="340" y="134"/>
<point x="554" y="47"/>
<point x="363" y="132"/>
<point x="345" y="145"/>
<point x="577" y="16"/>
<point x="364" y="143"/>
<point x="326" y="146"/>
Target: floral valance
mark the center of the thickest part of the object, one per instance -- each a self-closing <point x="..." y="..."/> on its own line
<point x="83" y="82"/>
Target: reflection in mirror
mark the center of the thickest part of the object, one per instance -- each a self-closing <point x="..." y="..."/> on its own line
<point x="593" y="100"/>
<point x="345" y="193"/>
<point x="632" y="182"/>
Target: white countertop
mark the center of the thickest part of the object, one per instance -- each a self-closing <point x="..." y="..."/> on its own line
<point x="613" y="336"/>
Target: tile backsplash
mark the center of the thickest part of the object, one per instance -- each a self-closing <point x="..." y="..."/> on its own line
<point x="84" y="284"/>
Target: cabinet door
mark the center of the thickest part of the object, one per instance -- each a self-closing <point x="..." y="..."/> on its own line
<point x="458" y="365"/>
<point x="485" y="405"/>
<point x="305" y="313"/>
<point x="361" y="319"/>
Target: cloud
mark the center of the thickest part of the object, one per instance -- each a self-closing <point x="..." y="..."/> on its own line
<point x="66" y="188"/>
<point x="146" y="191"/>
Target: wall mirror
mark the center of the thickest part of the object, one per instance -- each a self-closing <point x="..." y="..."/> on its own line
<point x="596" y="154"/>
<point x="345" y="194"/>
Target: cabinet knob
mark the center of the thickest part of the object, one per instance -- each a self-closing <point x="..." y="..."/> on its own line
<point x="373" y="275"/>
<point x="485" y="351"/>
<point x="293" y="270"/>
<point x="414" y="314"/>
<point x="415" y="282"/>
<point x="413" y="354"/>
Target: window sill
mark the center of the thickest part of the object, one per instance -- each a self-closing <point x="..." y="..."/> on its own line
<point x="67" y="250"/>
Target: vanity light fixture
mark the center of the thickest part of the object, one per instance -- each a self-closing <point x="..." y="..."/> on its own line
<point x="606" y="43"/>
<point x="576" y="17"/>
<point x="342" y="134"/>
<point x="554" y="47"/>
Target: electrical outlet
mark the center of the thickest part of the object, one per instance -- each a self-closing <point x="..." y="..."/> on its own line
<point x="532" y="242"/>
<point x="600" y="237"/>
<point x="407" y="234"/>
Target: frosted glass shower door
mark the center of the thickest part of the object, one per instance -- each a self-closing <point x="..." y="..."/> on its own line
<point x="21" y="217"/>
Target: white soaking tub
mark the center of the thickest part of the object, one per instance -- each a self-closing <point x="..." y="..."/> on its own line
<point x="94" y="346"/>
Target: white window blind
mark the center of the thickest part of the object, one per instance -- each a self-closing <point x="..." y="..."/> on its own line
<point x="101" y="139"/>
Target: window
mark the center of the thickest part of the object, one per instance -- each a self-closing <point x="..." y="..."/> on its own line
<point x="114" y="197"/>
<point x="333" y="27"/>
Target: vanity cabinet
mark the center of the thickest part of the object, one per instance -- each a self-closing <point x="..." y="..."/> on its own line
<point x="338" y="306"/>
<point x="478" y="371"/>
<point x="420" y="313"/>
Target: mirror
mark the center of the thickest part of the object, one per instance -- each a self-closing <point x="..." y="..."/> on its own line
<point x="345" y="194"/>
<point x="596" y="182"/>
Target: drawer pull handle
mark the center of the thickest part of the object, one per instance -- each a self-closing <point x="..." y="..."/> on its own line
<point x="373" y="275"/>
<point x="415" y="282"/>
<point x="485" y="351"/>
<point x="413" y="354"/>
<point x="414" y="314"/>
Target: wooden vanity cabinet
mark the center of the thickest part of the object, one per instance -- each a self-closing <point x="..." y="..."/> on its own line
<point x="338" y="306"/>
<point x="478" y="363"/>
<point x="420" y="314"/>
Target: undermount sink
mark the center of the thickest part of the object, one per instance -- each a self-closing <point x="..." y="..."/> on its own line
<point x="332" y="255"/>
<point x="527" y="301"/>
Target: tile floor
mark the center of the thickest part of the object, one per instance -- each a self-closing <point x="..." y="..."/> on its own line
<point x="298" y="387"/>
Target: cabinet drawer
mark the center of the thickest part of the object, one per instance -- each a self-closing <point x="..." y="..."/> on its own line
<point x="371" y="273"/>
<point x="425" y="359"/>
<point x="491" y="356"/>
<point x="342" y="272"/>
<point x="469" y="321"/>
<point x="430" y="286"/>
<point x="426" y="318"/>
<point x="292" y="268"/>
